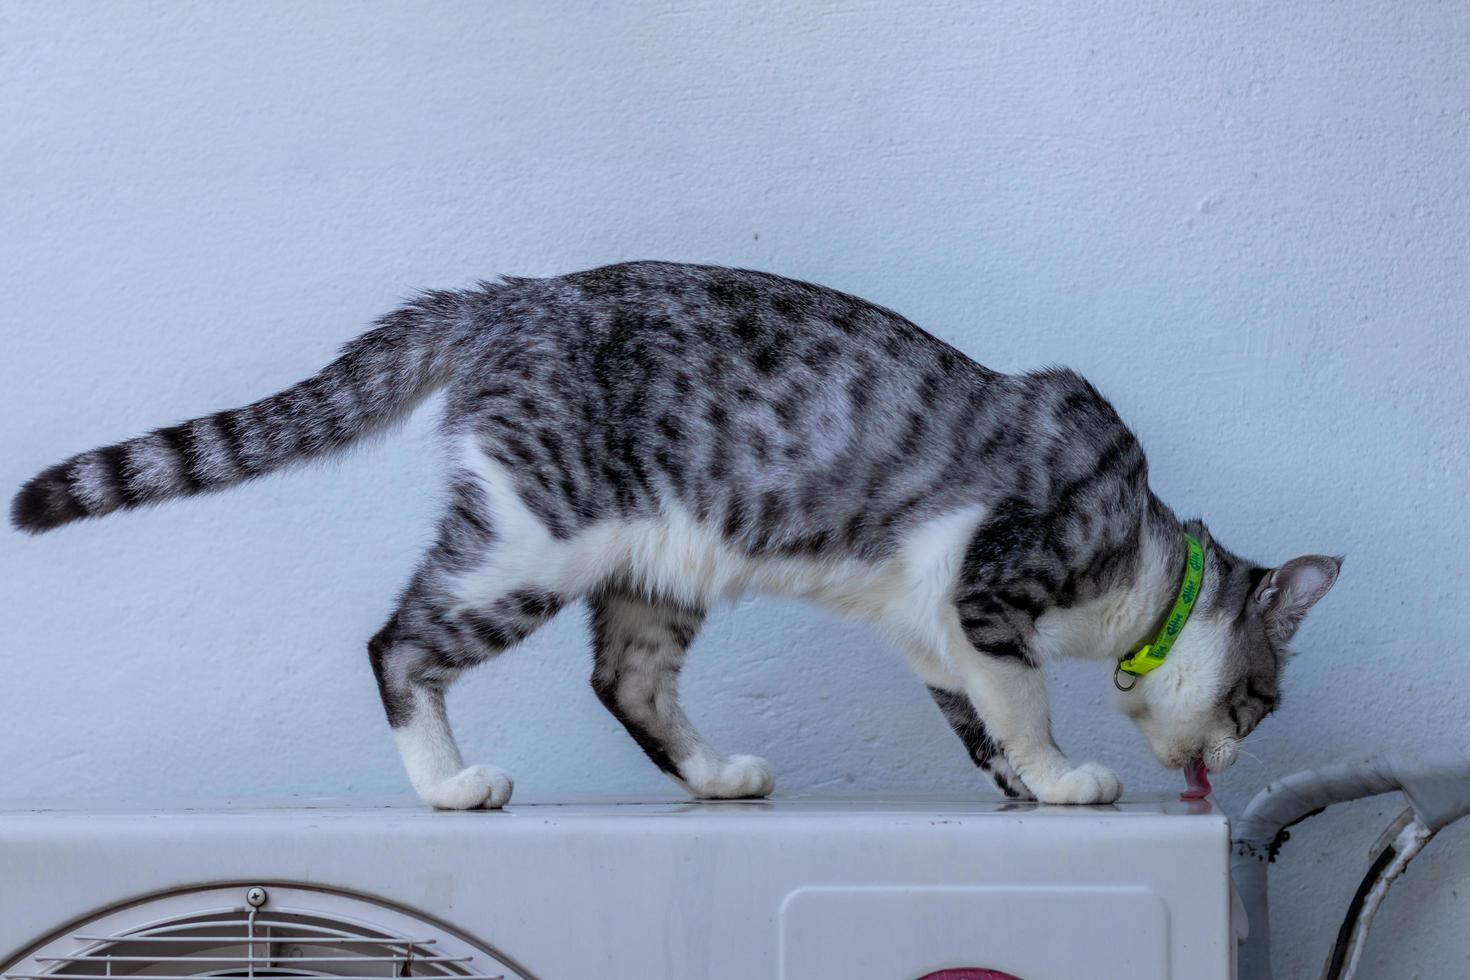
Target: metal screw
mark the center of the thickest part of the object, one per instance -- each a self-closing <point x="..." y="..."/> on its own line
<point x="256" y="896"/>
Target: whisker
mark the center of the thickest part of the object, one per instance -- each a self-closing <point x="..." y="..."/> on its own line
<point x="1251" y="756"/>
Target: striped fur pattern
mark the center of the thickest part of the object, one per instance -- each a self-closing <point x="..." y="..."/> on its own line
<point x="656" y="438"/>
<point x="377" y="380"/>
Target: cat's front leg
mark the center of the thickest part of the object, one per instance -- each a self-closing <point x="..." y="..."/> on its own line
<point x="983" y="750"/>
<point x="1008" y="692"/>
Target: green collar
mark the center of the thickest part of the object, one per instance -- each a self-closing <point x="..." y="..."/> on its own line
<point x="1151" y="655"/>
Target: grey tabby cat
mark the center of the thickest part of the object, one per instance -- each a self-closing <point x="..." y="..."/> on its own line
<point x="654" y="438"/>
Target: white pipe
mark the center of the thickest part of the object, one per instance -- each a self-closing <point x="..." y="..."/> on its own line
<point x="1437" y="787"/>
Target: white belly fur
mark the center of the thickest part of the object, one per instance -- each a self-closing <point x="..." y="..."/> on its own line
<point x="908" y="595"/>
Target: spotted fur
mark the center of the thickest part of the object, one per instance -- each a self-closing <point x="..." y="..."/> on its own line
<point x="656" y="438"/>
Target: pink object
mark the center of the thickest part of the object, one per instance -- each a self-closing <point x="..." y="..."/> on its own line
<point x="1198" y="778"/>
<point x="969" y="975"/>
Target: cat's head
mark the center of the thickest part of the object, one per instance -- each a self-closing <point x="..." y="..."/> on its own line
<point x="1223" y="675"/>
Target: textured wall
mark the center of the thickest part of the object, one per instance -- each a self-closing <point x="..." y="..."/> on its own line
<point x="1247" y="222"/>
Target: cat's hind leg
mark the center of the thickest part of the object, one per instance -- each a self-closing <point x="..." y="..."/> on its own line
<point x="467" y="603"/>
<point x="413" y="693"/>
<point x="639" y="648"/>
<point x="417" y="655"/>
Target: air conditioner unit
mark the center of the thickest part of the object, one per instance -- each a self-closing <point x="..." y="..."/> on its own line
<point x="791" y="889"/>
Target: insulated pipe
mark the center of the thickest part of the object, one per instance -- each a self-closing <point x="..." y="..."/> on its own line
<point x="1404" y="839"/>
<point x="1437" y="787"/>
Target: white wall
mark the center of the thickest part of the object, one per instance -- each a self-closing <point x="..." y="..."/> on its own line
<point x="1247" y="222"/>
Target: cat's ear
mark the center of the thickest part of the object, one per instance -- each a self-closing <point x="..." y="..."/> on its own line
<point x="1286" y="593"/>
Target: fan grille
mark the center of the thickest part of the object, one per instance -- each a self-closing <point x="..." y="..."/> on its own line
<point x="266" y="933"/>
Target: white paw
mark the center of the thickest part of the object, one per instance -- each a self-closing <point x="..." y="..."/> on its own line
<point x="735" y="778"/>
<point x="1088" y="783"/>
<point x="471" y="787"/>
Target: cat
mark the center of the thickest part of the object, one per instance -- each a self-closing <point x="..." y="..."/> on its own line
<point x="654" y="438"/>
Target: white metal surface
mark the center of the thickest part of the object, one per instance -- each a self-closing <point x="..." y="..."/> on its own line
<point x="790" y="889"/>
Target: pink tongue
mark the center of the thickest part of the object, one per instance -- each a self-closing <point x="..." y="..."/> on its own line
<point x="1198" y="778"/>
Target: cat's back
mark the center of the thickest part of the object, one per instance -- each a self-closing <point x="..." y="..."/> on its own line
<point x="641" y="334"/>
<point x="739" y="310"/>
<point x="745" y="397"/>
<point x="737" y="355"/>
<point x="778" y="408"/>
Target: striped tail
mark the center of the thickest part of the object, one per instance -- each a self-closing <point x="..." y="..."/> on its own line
<point x="378" y="379"/>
